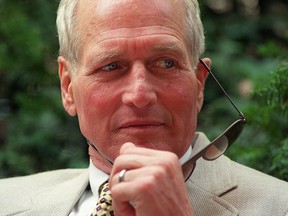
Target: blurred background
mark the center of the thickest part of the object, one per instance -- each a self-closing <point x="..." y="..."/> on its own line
<point x="247" y="41"/>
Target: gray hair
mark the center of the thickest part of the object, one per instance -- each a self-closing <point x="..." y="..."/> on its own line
<point x="194" y="30"/>
<point x="69" y="35"/>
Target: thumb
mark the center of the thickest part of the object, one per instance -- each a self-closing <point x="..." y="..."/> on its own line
<point x="126" y="146"/>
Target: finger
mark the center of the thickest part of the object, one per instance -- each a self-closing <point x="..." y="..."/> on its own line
<point x="137" y="156"/>
<point x="134" y="174"/>
<point x="123" y="208"/>
<point x="142" y="193"/>
<point x="127" y="163"/>
<point x="130" y="148"/>
<point x="168" y="162"/>
<point x="133" y="161"/>
<point x="127" y="146"/>
<point x="129" y="191"/>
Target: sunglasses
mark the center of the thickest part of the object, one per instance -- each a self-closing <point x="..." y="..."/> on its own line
<point x="219" y="145"/>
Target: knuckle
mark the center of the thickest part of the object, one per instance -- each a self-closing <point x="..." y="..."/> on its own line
<point x="169" y="162"/>
<point x="158" y="174"/>
<point x="147" y="185"/>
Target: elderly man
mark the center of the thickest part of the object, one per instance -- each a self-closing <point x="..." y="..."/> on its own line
<point x="129" y="70"/>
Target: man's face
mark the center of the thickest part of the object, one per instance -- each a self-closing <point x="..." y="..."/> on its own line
<point x="135" y="82"/>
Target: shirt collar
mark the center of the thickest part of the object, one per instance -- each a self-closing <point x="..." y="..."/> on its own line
<point x="96" y="178"/>
<point x="186" y="156"/>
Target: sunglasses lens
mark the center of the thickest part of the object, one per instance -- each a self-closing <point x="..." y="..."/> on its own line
<point x="235" y="130"/>
<point x="217" y="148"/>
<point x="220" y="144"/>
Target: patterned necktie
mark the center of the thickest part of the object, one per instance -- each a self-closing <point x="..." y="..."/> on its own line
<point x="104" y="205"/>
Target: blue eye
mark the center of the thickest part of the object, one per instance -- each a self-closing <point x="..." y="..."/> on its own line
<point x="168" y="63"/>
<point x="111" y="66"/>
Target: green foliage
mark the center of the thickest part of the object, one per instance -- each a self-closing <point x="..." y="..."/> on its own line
<point x="35" y="132"/>
<point x="244" y="49"/>
<point x="268" y="114"/>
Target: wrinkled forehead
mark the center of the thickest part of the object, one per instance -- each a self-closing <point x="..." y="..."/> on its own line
<point x="112" y="14"/>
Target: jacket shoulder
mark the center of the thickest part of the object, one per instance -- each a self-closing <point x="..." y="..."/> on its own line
<point x="235" y="189"/>
<point x="39" y="180"/>
<point x="258" y="192"/>
<point x="19" y="194"/>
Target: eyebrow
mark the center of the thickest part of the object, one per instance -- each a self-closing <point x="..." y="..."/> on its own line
<point x="170" y="47"/>
<point x="106" y="56"/>
<point x="102" y="57"/>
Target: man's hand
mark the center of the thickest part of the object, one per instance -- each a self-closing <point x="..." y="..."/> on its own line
<point x="153" y="183"/>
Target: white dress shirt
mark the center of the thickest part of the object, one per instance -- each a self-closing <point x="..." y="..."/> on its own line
<point x="88" y="200"/>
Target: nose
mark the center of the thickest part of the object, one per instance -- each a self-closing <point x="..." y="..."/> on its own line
<point x="140" y="90"/>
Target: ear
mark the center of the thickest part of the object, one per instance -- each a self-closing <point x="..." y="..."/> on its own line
<point x="65" y="76"/>
<point x="201" y="74"/>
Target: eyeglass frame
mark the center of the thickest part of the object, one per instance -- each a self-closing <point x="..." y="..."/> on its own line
<point x="189" y="166"/>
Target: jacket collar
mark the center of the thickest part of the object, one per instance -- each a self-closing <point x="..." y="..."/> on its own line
<point x="214" y="176"/>
<point x="210" y="180"/>
<point x="61" y="197"/>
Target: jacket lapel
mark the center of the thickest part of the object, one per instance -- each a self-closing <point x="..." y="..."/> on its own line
<point x="209" y="181"/>
<point x="61" y="198"/>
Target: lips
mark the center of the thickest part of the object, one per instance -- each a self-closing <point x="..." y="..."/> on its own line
<point x="138" y="124"/>
<point x="144" y="121"/>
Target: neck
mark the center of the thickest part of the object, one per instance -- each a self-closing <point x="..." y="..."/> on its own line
<point x="99" y="161"/>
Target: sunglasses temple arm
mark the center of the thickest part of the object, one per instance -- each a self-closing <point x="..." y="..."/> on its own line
<point x="228" y="97"/>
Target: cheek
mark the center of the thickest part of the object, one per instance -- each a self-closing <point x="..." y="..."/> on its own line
<point x="183" y="96"/>
<point x="93" y="107"/>
<point x="183" y="103"/>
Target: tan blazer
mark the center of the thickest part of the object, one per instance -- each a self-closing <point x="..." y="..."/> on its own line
<point x="217" y="188"/>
